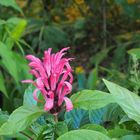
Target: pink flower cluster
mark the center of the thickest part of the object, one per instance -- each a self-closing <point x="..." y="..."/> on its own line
<point x="53" y="79"/>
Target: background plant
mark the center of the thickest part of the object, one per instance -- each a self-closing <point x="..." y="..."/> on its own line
<point x="104" y="39"/>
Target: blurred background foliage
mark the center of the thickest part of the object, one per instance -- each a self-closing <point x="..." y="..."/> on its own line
<point x="104" y="36"/>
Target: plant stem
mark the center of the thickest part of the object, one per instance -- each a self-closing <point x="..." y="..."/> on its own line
<point x="56" y="118"/>
<point x="26" y="135"/>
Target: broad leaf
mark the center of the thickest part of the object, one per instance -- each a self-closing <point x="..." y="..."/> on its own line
<point x="76" y="118"/>
<point x="130" y="137"/>
<point x="83" y="135"/>
<point x="20" y="119"/>
<point x="95" y="127"/>
<point x="128" y="101"/>
<point x="91" y="99"/>
<point x="110" y="114"/>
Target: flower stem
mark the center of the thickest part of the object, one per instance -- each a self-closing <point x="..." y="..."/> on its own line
<point x="56" y="118"/>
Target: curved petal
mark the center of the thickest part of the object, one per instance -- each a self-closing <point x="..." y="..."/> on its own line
<point x="69" y="105"/>
<point x="35" y="73"/>
<point x="35" y="95"/>
<point x="69" y="86"/>
<point x="47" y="61"/>
<point x="64" y="49"/>
<point x="48" y="104"/>
<point x="66" y="90"/>
<point x="28" y="81"/>
<point x="33" y="58"/>
<point x="53" y="81"/>
<point x="39" y="83"/>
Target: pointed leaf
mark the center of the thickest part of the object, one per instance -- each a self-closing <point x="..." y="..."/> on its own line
<point x="20" y="119"/>
<point x="128" y="101"/>
<point x="91" y="99"/>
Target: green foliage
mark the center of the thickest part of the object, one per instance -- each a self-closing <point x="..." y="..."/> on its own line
<point x="3" y="117"/>
<point x="76" y="118"/>
<point x="135" y="52"/>
<point x="83" y="134"/>
<point x="14" y="63"/>
<point x="20" y="119"/>
<point x="28" y="97"/>
<point x="118" y="132"/>
<point x="99" y="43"/>
<point x="131" y="137"/>
<point x="2" y="85"/>
<point x="89" y="99"/>
<point x="92" y="79"/>
<point x="61" y="128"/>
<point x="128" y="101"/>
<point x="95" y="127"/>
<point x="54" y="37"/>
<point x="10" y="3"/>
<point x="110" y="113"/>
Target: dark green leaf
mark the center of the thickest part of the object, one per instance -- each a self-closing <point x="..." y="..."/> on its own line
<point x="76" y="118"/>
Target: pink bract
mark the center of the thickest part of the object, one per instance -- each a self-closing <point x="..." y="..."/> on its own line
<point x="53" y="79"/>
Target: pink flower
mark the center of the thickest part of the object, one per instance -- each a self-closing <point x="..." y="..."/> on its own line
<point x="53" y="79"/>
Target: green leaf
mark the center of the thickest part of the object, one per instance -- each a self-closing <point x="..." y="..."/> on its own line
<point x="28" y="96"/>
<point x="135" y="52"/>
<point x="128" y="101"/>
<point x="8" y="61"/>
<point x="83" y="135"/>
<point x="76" y="118"/>
<point x="81" y="80"/>
<point x="91" y="99"/>
<point x="18" y="27"/>
<point x="20" y="119"/>
<point x="2" y="85"/>
<point x="130" y="137"/>
<point x="99" y="57"/>
<point x="95" y="127"/>
<point x="2" y="22"/>
<point x="10" y="3"/>
<point x="119" y="132"/>
<point x="61" y="128"/>
<point x="92" y="79"/>
<point x="110" y="113"/>
<point x="14" y="63"/>
<point x="3" y="117"/>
